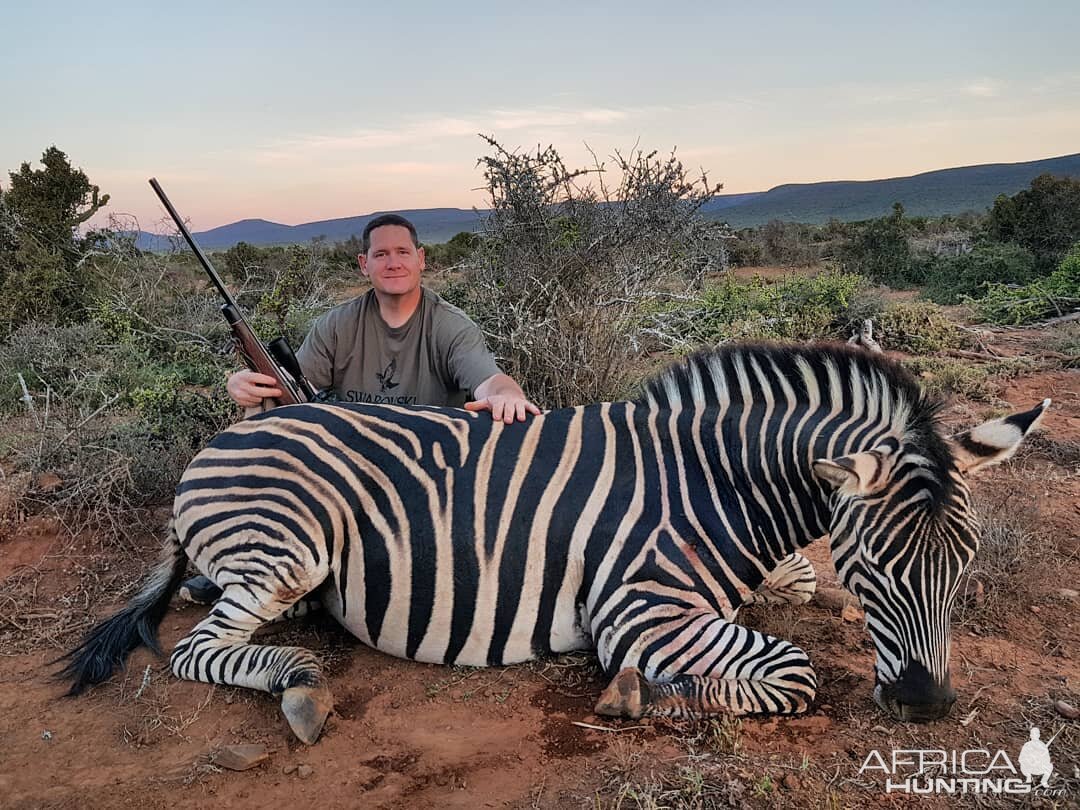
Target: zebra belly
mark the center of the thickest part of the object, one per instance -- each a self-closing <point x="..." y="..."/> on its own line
<point x="469" y="623"/>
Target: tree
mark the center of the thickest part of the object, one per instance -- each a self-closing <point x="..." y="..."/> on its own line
<point x="879" y="249"/>
<point x="42" y="275"/>
<point x="1045" y="219"/>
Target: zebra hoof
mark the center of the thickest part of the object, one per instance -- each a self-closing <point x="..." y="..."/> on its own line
<point x="306" y="709"/>
<point x="627" y="695"/>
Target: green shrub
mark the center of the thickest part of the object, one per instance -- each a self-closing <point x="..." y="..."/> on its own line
<point x="447" y="254"/>
<point x="919" y="327"/>
<point x="1055" y="295"/>
<point x="800" y="307"/>
<point x="954" y="277"/>
<point x="879" y="249"/>
<point x="1045" y="219"/>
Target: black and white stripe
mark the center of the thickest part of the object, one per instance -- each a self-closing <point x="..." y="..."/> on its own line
<point x="640" y="528"/>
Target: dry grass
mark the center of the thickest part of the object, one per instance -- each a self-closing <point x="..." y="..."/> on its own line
<point x="153" y="716"/>
<point x="47" y="605"/>
<point x="693" y="786"/>
<point x="1013" y="564"/>
<point x="1063" y="452"/>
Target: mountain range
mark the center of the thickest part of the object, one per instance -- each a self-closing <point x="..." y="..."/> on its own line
<point x="945" y="191"/>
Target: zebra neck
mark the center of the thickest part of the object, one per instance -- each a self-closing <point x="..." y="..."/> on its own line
<point x="748" y="487"/>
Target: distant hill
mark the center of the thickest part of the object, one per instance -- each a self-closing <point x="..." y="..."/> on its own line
<point x="432" y="224"/>
<point x="946" y="191"/>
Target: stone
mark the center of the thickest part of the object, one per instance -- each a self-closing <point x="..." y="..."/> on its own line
<point x="834" y="599"/>
<point x="304" y="771"/>
<point x="975" y="590"/>
<point x="290" y="768"/>
<point x="48" y="482"/>
<point x="850" y="613"/>
<point x="240" y="757"/>
<point x="1068" y="593"/>
<point x="790" y="782"/>
<point x="1066" y="710"/>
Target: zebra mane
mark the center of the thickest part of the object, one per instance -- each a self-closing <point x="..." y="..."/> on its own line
<point x="692" y="382"/>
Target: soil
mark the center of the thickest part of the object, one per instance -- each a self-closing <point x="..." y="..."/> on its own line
<point x="407" y="735"/>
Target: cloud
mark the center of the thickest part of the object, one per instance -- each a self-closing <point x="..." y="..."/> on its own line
<point x="983" y="89"/>
<point x="430" y="131"/>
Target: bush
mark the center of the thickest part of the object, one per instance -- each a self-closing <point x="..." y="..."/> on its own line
<point x="1045" y="219"/>
<point x="448" y="254"/>
<point x="967" y="275"/>
<point x="1056" y="295"/>
<point x="801" y="307"/>
<point x="786" y="244"/>
<point x="565" y="268"/>
<point x="879" y="250"/>
<point x="919" y="327"/>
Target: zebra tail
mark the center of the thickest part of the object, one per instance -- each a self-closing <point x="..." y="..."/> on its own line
<point x="107" y="646"/>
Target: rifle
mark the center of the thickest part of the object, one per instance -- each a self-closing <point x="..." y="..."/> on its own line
<point x="275" y="360"/>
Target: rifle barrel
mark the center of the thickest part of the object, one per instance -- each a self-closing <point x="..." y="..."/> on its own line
<point x="209" y="268"/>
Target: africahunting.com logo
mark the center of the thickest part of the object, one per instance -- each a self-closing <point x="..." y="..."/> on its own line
<point x="973" y="771"/>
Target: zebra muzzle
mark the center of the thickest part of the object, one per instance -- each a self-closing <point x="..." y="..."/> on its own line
<point x="931" y="704"/>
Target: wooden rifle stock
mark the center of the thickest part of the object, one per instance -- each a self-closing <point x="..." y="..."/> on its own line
<point x="257" y="358"/>
<point x="278" y="361"/>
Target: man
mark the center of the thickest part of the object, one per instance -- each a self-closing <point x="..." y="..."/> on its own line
<point x="398" y="344"/>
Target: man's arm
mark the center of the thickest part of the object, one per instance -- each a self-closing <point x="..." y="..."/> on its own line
<point x="249" y="388"/>
<point x="504" y="398"/>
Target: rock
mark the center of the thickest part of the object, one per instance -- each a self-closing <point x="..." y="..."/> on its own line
<point x="1066" y="710"/>
<point x="975" y="590"/>
<point x="290" y="768"/>
<point x="850" y="613"/>
<point x="834" y="599"/>
<point x="790" y="782"/>
<point x="304" y="771"/>
<point x="1068" y="593"/>
<point x="48" y="482"/>
<point x="240" y="757"/>
<point x="880" y="729"/>
<point x="1034" y="609"/>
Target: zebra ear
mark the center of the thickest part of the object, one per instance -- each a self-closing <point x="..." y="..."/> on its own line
<point x="994" y="441"/>
<point x="858" y="473"/>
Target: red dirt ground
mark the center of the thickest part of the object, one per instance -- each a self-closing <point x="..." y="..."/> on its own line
<point x="407" y="735"/>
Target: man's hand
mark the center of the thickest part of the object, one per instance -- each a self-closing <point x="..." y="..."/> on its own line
<point x="250" y="388"/>
<point x="504" y="408"/>
<point x="504" y="398"/>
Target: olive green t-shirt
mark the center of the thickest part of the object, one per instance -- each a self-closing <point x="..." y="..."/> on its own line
<point x="437" y="357"/>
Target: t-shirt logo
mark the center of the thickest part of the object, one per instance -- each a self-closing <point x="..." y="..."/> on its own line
<point x="386" y="377"/>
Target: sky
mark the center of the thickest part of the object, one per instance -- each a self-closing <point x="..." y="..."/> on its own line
<point x="298" y="112"/>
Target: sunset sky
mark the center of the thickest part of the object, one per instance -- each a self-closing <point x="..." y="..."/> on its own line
<point x="295" y="112"/>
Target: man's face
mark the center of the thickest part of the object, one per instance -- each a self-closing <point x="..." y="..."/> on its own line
<point x="392" y="262"/>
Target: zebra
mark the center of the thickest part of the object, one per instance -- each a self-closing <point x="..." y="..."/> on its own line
<point x="638" y="528"/>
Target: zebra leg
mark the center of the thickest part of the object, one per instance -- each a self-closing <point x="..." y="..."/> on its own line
<point x="792" y="582"/>
<point x="706" y="666"/>
<point x="217" y="651"/>
<point x="302" y="608"/>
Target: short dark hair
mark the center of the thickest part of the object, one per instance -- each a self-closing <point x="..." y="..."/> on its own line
<point x="388" y="219"/>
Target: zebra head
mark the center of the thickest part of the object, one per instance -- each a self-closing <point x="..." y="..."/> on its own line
<point x="902" y="533"/>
